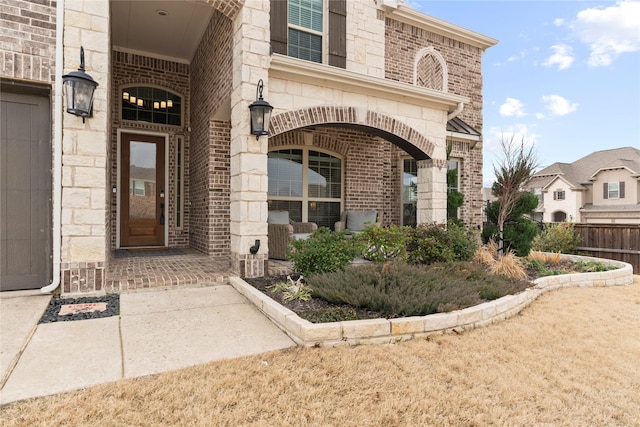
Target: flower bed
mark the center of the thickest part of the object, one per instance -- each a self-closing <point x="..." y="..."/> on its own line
<point x="380" y="330"/>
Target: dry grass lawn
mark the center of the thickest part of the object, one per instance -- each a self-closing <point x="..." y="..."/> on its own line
<point x="571" y="359"/>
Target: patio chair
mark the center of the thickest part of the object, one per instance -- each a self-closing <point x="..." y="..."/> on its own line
<point x="355" y="221"/>
<point x="281" y="231"/>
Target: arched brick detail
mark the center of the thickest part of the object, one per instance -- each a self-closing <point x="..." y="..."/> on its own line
<point x="296" y="138"/>
<point x="382" y="125"/>
<point x="320" y="115"/>
<point x="401" y="130"/>
<point x="228" y="8"/>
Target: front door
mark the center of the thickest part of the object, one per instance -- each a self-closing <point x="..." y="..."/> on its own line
<point x="142" y="193"/>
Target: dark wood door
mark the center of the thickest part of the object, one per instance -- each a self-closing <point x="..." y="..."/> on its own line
<point x="143" y="199"/>
<point x="25" y="191"/>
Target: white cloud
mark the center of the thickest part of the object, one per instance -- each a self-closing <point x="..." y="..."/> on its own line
<point x="517" y="133"/>
<point x="558" y="105"/>
<point x="562" y="57"/>
<point x="540" y="116"/>
<point x="609" y="31"/>
<point x="512" y="108"/>
<point x="558" y="22"/>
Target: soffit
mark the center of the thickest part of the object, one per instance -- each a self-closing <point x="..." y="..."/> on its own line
<point x="139" y="27"/>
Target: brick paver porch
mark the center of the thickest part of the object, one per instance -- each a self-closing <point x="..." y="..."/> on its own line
<point x="177" y="267"/>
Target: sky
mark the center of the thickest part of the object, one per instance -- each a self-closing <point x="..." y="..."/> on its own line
<point x="564" y="76"/>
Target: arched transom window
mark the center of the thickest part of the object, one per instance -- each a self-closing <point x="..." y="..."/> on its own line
<point x="152" y="105"/>
<point x="307" y="183"/>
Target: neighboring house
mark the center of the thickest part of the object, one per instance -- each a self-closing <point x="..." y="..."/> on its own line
<point x="603" y="187"/>
<point x="366" y="94"/>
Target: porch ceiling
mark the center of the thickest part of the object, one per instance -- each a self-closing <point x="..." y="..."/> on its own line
<point x="142" y="27"/>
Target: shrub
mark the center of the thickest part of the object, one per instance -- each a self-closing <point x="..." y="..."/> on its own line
<point x="396" y="288"/>
<point x="560" y="237"/>
<point x="383" y="243"/>
<point x="509" y="266"/>
<point x="324" y="251"/>
<point x="519" y="231"/>
<point x="431" y="243"/>
<point x="486" y="255"/>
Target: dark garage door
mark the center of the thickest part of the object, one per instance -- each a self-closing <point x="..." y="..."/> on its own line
<point x="25" y="189"/>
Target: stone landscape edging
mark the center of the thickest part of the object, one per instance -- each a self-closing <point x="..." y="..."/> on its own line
<point x="385" y="331"/>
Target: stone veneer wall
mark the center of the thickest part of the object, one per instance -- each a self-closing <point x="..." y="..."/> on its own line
<point x="28" y="46"/>
<point x="464" y="64"/>
<point x="134" y="69"/>
<point x="210" y="165"/>
<point x="86" y="146"/>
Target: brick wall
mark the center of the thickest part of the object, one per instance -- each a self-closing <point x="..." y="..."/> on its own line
<point x="27" y="48"/>
<point x="133" y="69"/>
<point x="210" y="140"/>
<point x="463" y="62"/>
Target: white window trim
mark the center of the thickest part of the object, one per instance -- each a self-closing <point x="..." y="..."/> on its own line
<point x="609" y="190"/>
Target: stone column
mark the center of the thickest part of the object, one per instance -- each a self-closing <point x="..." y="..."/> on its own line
<point x="249" y="182"/>
<point x="432" y="191"/>
<point x="84" y="151"/>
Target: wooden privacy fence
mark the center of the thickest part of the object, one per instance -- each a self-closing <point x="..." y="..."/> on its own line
<point x="620" y="242"/>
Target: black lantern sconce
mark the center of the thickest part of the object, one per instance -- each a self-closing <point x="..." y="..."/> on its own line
<point x="260" y="114"/>
<point x="79" y="88"/>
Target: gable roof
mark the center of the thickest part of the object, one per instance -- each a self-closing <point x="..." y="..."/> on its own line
<point x="584" y="170"/>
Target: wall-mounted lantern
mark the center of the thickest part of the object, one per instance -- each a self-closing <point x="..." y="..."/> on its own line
<point x="79" y="88"/>
<point x="260" y="113"/>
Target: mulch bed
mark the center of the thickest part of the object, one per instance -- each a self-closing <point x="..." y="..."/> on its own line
<point x="314" y="310"/>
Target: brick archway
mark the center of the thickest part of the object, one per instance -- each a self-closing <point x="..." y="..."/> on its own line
<point x="400" y="134"/>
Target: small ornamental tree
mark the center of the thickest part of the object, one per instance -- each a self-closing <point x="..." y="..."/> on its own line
<point x="519" y="230"/>
<point x="512" y="172"/>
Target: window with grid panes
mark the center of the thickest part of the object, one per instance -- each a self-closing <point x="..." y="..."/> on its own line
<point x="307" y="184"/>
<point x="306" y="29"/>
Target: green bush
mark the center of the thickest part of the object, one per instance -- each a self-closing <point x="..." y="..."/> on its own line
<point x="383" y="243"/>
<point x="519" y="231"/>
<point x="518" y="235"/>
<point x="324" y="251"/>
<point x="431" y="243"/>
<point x="400" y="289"/>
<point x="560" y="237"/>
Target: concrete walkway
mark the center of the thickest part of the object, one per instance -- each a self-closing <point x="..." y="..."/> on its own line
<point x="156" y="331"/>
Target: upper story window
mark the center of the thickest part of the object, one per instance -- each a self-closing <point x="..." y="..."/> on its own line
<point x="613" y="190"/>
<point x="558" y="195"/>
<point x="152" y="105"/>
<point x="305" y="29"/>
<point x="538" y="193"/>
<point x="313" y="30"/>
